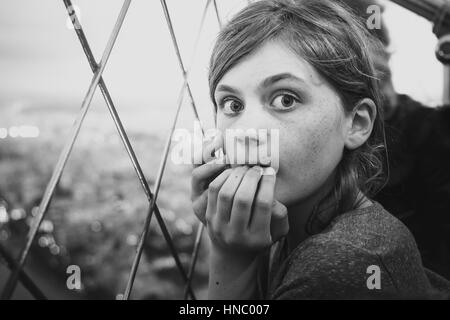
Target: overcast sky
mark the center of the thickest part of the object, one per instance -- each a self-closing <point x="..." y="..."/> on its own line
<point x="40" y="58"/>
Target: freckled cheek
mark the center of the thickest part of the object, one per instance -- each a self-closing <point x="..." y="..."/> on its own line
<point x="305" y="158"/>
<point x="302" y="141"/>
<point x="297" y="154"/>
<point x="296" y="170"/>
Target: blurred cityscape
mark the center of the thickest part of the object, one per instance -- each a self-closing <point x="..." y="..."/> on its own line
<point x="99" y="206"/>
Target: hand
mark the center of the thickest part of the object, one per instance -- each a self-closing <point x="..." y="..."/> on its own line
<point x="203" y="174"/>
<point x="242" y="214"/>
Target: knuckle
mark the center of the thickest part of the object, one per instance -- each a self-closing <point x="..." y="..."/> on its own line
<point x="227" y="239"/>
<point x="225" y="196"/>
<point x="254" y="173"/>
<point x="264" y="204"/>
<point x="218" y="232"/>
<point x="212" y="229"/>
<point x="208" y="218"/>
<point x="232" y="238"/>
<point x="242" y="201"/>
<point x="214" y="188"/>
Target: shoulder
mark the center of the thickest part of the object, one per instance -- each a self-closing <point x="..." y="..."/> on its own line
<point x="370" y="232"/>
<point x="372" y="229"/>
<point x="358" y="247"/>
<point x="324" y="269"/>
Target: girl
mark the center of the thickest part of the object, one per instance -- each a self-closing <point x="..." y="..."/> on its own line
<point x="306" y="229"/>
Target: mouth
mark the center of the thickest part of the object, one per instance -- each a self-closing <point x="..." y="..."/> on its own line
<point x="268" y="163"/>
<point x="250" y="152"/>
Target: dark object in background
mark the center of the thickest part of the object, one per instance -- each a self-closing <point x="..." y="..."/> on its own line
<point x="418" y="192"/>
<point x="418" y="144"/>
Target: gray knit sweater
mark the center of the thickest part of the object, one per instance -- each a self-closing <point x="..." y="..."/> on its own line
<point x="363" y="254"/>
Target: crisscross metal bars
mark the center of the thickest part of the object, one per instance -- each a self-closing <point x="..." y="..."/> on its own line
<point x="200" y="227"/>
<point x="24" y="278"/>
<point x="64" y="156"/>
<point x="219" y="20"/>
<point x="185" y="86"/>
<point x="125" y="140"/>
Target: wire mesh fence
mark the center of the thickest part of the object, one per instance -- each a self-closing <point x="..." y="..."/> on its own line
<point x="16" y="265"/>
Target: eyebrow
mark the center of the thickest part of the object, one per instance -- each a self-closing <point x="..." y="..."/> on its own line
<point x="227" y="88"/>
<point x="264" y="84"/>
<point x="278" y="77"/>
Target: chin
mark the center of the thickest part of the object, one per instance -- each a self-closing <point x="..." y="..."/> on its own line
<point x="284" y="194"/>
<point x="289" y="193"/>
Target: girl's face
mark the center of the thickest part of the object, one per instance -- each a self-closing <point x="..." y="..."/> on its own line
<point x="275" y="89"/>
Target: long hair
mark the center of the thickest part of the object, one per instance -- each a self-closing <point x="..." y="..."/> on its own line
<point x="335" y="42"/>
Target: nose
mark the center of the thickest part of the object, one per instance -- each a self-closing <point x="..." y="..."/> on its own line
<point x="247" y="140"/>
<point x="249" y="136"/>
<point x="252" y="126"/>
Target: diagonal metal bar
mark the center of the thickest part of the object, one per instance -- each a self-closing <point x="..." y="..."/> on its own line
<point x="122" y="133"/>
<point x="159" y="176"/>
<point x="198" y="238"/>
<point x="64" y="156"/>
<point x="166" y="152"/>
<point x="217" y="14"/>
<point x="180" y="60"/>
<point x="24" y="278"/>
<point x="201" y="227"/>
<point x="199" y="32"/>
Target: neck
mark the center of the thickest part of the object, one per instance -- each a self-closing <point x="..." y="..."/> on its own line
<point x="300" y="212"/>
<point x="298" y="215"/>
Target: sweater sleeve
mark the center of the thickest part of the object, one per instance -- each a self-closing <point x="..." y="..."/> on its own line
<point x="334" y="270"/>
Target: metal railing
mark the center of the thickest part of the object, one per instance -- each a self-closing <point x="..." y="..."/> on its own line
<point x="16" y="266"/>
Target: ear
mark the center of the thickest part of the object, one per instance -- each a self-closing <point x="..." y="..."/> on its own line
<point x="360" y="123"/>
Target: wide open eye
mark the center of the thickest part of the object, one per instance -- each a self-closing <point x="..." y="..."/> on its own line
<point x="284" y="101"/>
<point x="232" y="106"/>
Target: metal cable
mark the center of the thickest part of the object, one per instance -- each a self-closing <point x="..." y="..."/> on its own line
<point x="24" y="278"/>
<point x="64" y="156"/>
<point x="160" y="174"/>
<point x="122" y="133"/>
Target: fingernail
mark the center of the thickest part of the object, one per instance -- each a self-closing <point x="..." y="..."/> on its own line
<point x="220" y="159"/>
<point x="259" y="169"/>
<point x="269" y="171"/>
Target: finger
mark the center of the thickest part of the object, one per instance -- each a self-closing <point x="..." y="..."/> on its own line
<point x="203" y="175"/>
<point x="213" y="190"/>
<point x="197" y="145"/>
<point x="279" y="224"/>
<point x="262" y="206"/>
<point x="199" y="206"/>
<point x="243" y="199"/>
<point x="227" y="192"/>
<point x="210" y="147"/>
